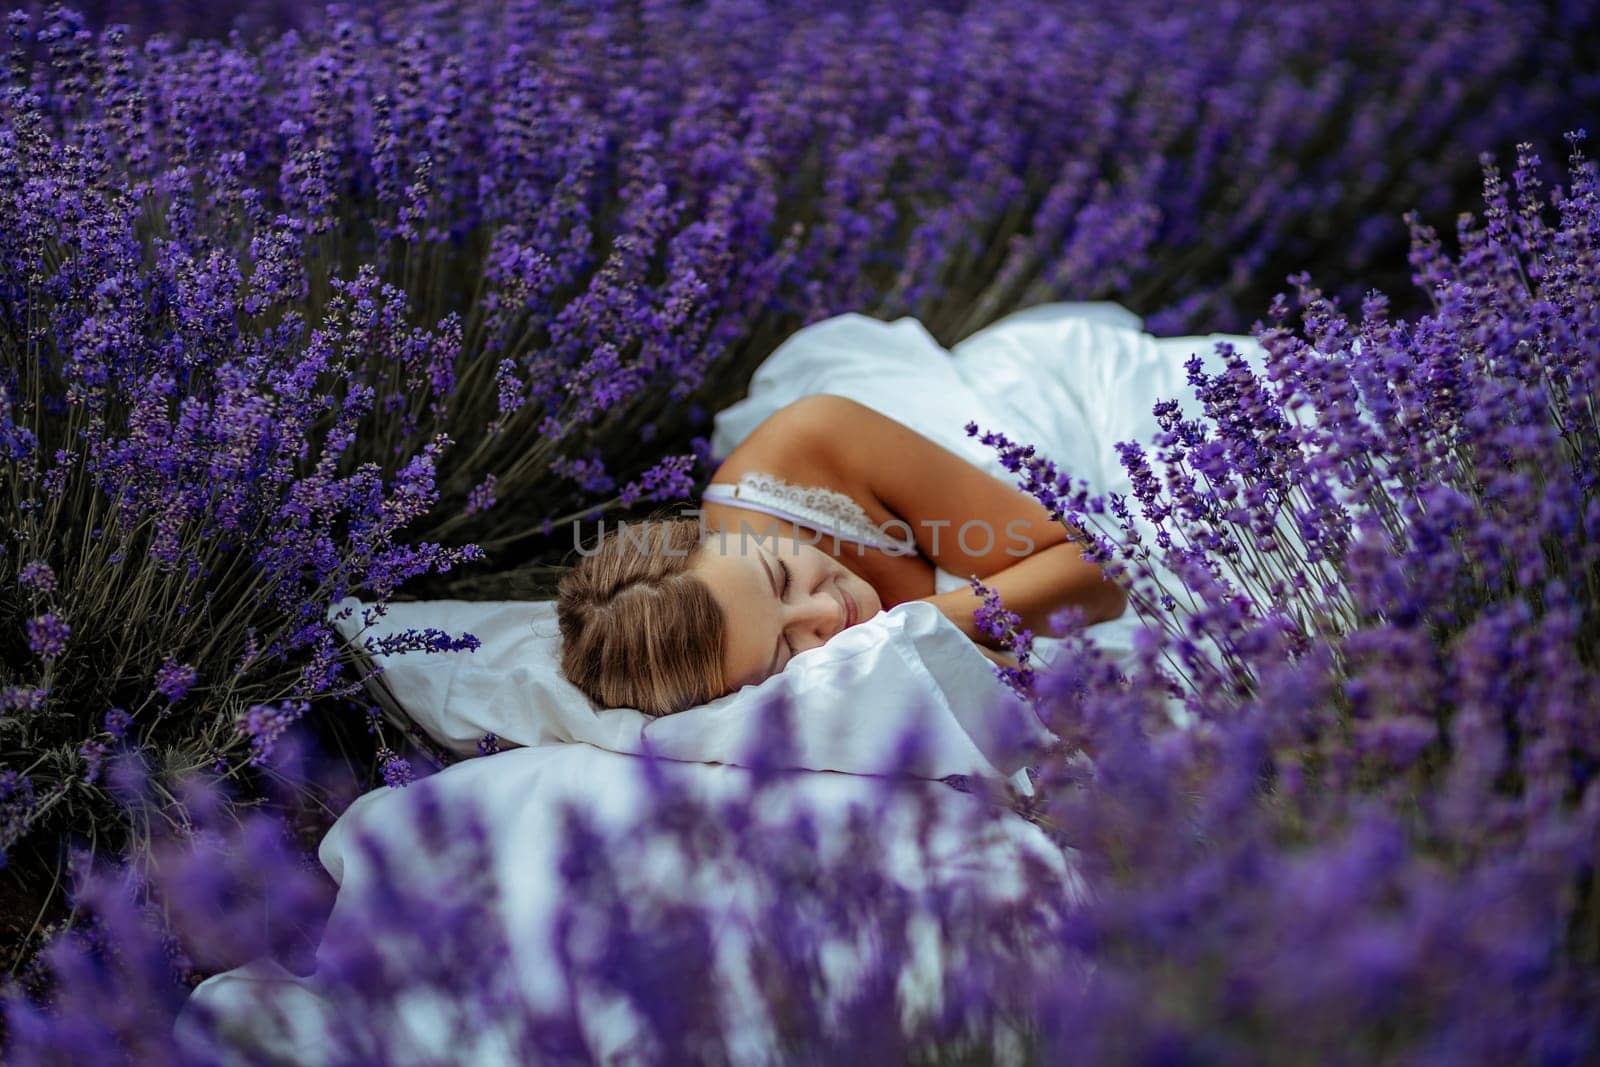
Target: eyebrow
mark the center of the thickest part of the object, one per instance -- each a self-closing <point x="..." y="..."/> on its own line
<point x="772" y="664"/>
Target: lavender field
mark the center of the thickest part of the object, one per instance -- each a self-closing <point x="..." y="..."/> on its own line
<point x="378" y="300"/>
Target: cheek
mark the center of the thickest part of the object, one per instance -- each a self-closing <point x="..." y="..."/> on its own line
<point x="819" y="564"/>
<point x="865" y="593"/>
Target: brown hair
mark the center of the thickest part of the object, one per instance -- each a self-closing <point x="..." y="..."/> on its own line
<point x="638" y="629"/>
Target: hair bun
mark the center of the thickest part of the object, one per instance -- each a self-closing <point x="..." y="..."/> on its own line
<point x="614" y="606"/>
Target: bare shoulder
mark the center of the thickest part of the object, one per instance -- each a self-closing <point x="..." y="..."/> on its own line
<point x="899" y="473"/>
<point x="817" y="418"/>
<point x="805" y="437"/>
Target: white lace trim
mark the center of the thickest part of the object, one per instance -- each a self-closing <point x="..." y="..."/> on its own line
<point x="825" y="510"/>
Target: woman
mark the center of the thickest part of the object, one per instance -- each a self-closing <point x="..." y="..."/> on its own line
<point x="826" y="514"/>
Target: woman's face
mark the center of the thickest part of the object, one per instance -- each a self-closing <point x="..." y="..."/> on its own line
<point x="779" y="597"/>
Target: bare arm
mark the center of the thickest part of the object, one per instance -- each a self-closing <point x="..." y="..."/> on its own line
<point x="966" y="521"/>
<point x="1037" y="587"/>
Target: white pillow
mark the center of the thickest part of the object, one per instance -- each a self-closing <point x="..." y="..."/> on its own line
<point x="854" y="702"/>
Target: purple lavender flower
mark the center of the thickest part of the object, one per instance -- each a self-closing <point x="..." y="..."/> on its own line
<point x="590" y="474"/>
<point x="37" y="576"/>
<point x="265" y="724"/>
<point x="1005" y="627"/>
<point x="47" y="636"/>
<point x="397" y="772"/>
<point x="668" y="480"/>
<point x="482" y="497"/>
<point x="17" y="808"/>
<point x="117" y="722"/>
<point x="93" y="754"/>
<point x="22" y="697"/>
<point x="174" y="679"/>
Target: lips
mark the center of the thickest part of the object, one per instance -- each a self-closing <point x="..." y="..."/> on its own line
<point x="851" y="612"/>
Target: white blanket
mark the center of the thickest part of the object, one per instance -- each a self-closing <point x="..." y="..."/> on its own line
<point x="966" y="851"/>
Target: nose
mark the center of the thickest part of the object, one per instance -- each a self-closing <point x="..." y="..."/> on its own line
<point x="815" y="619"/>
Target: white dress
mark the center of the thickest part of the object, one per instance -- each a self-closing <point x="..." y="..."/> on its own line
<point x="827" y="511"/>
<point x="1071" y="379"/>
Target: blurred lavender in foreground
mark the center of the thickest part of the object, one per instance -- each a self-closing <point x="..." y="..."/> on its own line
<point x="741" y="919"/>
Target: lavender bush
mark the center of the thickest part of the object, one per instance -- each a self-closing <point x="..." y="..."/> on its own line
<point x="342" y="310"/>
<point x="175" y="438"/>
<point x="613" y="201"/>
<point x="1373" y="842"/>
<point x="183" y="19"/>
<point x="1376" y="839"/>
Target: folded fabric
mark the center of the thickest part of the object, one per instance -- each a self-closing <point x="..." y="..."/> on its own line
<point x="932" y="846"/>
<point x="1070" y="379"/>
<point x="904" y="691"/>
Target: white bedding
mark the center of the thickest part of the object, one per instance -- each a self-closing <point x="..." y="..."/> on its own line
<point x="967" y="851"/>
<point x="1070" y="379"/>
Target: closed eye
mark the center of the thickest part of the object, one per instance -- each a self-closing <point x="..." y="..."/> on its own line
<point x="783" y="593"/>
